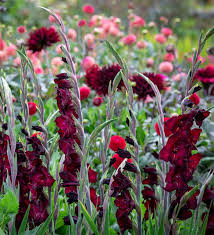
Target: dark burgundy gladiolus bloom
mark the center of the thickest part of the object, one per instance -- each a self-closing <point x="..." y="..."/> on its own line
<point x="119" y="189"/>
<point x="42" y="38"/>
<point x="94" y="198"/>
<point x="4" y="163"/>
<point x="92" y="175"/>
<point x="99" y="78"/>
<point x="69" y="134"/>
<point x="143" y="89"/>
<point x="32" y="177"/>
<point x="178" y="151"/>
<point x="149" y="192"/>
<point x="206" y="76"/>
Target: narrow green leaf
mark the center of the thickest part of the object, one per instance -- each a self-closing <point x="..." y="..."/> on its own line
<point x="1" y="232"/>
<point x="117" y="57"/>
<point x="44" y="226"/>
<point x="204" y="226"/>
<point x="97" y="130"/>
<point x="89" y="219"/>
<point x="24" y="222"/>
<point x="116" y="82"/>
<point x="106" y="223"/>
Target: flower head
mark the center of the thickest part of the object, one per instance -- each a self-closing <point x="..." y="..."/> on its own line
<point x="97" y="101"/>
<point x="41" y="38"/>
<point x="32" y="106"/>
<point x="99" y="78"/>
<point x="117" y="142"/>
<point x="88" y="9"/>
<point x="195" y="98"/>
<point x="119" y="160"/>
<point x="165" y="67"/>
<point x="166" y="31"/>
<point x="160" y="38"/>
<point x="84" y="92"/>
<point x="129" y="39"/>
<point x="21" y="29"/>
<point x="143" y="89"/>
<point x="166" y="131"/>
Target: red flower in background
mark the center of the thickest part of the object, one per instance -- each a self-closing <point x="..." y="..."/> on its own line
<point x="42" y="38"/>
<point x="82" y="23"/>
<point x="206" y="76"/>
<point x="195" y="98"/>
<point x="97" y="101"/>
<point x="117" y="142"/>
<point x="166" y="131"/>
<point x="88" y="9"/>
<point x="143" y="89"/>
<point x="84" y="92"/>
<point x="32" y="107"/>
<point x="99" y="78"/>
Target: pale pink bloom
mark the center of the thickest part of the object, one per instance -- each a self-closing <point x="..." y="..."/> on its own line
<point x="150" y="62"/>
<point x="148" y="99"/>
<point x="137" y="22"/>
<point x="39" y="70"/>
<point x="141" y="44"/>
<point x="76" y="49"/>
<point x="107" y="25"/>
<point x="56" y="62"/>
<point x="169" y="57"/>
<point x="129" y="39"/>
<point x="58" y="49"/>
<point x="17" y="61"/>
<point x="114" y="31"/>
<point x="166" y="67"/>
<point x="179" y="76"/>
<point x="89" y="39"/>
<point x="166" y="31"/>
<point x="52" y="19"/>
<point x="100" y="32"/>
<point x="21" y="29"/>
<point x="3" y="56"/>
<point x="152" y="24"/>
<point x="11" y="50"/>
<point x="87" y="62"/>
<point x="72" y="34"/>
<point x="93" y="21"/>
<point x="160" y="38"/>
<point x="55" y="70"/>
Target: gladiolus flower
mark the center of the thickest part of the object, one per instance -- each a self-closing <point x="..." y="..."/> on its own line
<point x="84" y="92"/>
<point x="97" y="101"/>
<point x="88" y="9"/>
<point x="160" y="38"/>
<point x="32" y="106"/>
<point x="119" y="160"/>
<point x="21" y="29"/>
<point x="166" y="67"/>
<point x="117" y="142"/>
<point x="166" y="131"/>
